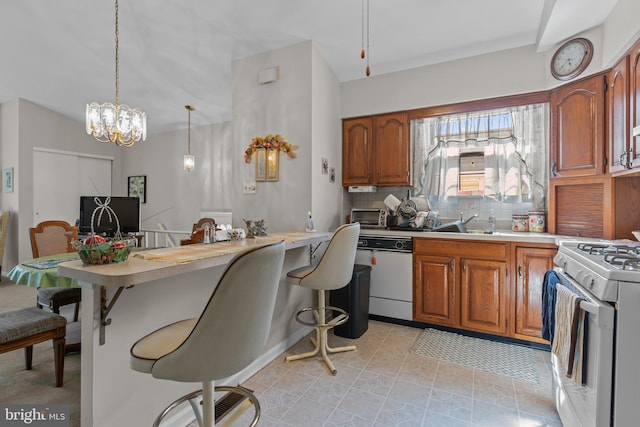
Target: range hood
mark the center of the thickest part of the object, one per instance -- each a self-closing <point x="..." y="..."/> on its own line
<point x="363" y="189"/>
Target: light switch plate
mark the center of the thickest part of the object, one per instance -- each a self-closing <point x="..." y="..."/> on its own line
<point x="249" y="188"/>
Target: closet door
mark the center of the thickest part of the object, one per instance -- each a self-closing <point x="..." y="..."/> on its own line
<point x="59" y="179"/>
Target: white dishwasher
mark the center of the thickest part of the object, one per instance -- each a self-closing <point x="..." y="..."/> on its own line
<point x="391" y="283"/>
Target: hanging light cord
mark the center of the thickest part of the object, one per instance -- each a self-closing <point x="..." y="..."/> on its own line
<point x="117" y="60"/>
<point x="367" y="71"/>
<point x="189" y="109"/>
<point x="362" y="32"/>
<point x="365" y="35"/>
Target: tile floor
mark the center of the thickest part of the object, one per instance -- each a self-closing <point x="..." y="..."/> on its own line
<point x="382" y="384"/>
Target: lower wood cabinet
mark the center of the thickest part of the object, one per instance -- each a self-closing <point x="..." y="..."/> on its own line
<point x="531" y="263"/>
<point x="493" y="287"/>
<point x="435" y="292"/>
<point x="483" y="295"/>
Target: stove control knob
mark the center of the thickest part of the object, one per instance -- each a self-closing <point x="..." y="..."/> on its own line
<point x="399" y="244"/>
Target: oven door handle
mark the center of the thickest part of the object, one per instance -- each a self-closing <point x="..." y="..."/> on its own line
<point x="602" y="310"/>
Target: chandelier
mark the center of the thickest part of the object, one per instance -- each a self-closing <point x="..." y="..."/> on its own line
<point x="189" y="160"/>
<point x="116" y="123"/>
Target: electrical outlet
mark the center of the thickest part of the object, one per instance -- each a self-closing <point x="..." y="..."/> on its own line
<point x="249" y="188"/>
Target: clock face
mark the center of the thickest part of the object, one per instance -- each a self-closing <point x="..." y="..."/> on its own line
<point x="571" y="59"/>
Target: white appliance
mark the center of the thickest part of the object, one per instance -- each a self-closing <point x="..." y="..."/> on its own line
<point x="391" y="281"/>
<point x="369" y="218"/>
<point x="608" y="276"/>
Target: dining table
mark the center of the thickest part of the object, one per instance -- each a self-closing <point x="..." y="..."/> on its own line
<point x="42" y="272"/>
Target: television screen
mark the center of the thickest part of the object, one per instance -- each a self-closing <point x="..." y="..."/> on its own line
<point x="127" y="210"/>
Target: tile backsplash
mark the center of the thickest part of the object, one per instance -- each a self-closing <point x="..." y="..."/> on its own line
<point x="450" y="209"/>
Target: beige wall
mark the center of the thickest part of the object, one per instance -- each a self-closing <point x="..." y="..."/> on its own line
<point x="507" y="72"/>
<point x="282" y="107"/>
<point x="326" y="134"/>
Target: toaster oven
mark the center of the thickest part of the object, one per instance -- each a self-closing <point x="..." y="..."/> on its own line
<point x="370" y="218"/>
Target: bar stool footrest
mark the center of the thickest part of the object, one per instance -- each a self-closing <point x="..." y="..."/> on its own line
<point x="342" y="317"/>
<point x="223" y="406"/>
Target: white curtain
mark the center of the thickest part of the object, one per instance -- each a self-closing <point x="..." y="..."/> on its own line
<point x="514" y="143"/>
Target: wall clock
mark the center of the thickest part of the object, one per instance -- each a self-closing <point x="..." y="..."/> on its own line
<point x="571" y="59"/>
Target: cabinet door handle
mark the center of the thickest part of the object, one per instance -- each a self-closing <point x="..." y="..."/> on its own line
<point x="554" y="169"/>
<point x="451" y="266"/>
<point x="464" y="266"/>
<point x="623" y="160"/>
<point x="519" y="271"/>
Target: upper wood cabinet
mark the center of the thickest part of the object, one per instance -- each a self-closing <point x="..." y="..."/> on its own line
<point x="375" y="150"/>
<point x="357" y="151"/>
<point x="620" y="154"/>
<point x="577" y="129"/>
<point x="634" y="103"/>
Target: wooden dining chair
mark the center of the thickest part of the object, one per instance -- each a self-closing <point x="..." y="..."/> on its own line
<point x="196" y="237"/>
<point x="50" y="238"/>
<point x="4" y="228"/>
<point x="202" y="222"/>
<point x="197" y="231"/>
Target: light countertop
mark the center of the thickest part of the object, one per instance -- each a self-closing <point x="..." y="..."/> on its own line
<point x="499" y="235"/>
<point x="146" y="266"/>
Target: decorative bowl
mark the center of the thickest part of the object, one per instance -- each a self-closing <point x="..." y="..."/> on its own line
<point x="103" y="253"/>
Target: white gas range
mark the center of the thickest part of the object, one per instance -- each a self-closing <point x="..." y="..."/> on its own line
<point x="607" y="274"/>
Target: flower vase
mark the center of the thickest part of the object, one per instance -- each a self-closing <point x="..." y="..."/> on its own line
<point x="251" y="231"/>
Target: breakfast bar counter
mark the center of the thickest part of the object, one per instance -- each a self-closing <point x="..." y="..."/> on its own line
<point x="123" y="302"/>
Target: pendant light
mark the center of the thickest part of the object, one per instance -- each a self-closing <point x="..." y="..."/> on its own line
<point x="117" y="123"/>
<point x="189" y="160"/>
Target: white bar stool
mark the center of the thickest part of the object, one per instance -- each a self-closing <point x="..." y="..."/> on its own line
<point x="333" y="271"/>
<point x="209" y="348"/>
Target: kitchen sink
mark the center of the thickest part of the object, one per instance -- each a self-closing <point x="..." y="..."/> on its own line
<point x="455" y="226"/>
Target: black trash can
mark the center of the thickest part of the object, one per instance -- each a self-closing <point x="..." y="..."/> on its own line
<point x="354" y="299"/>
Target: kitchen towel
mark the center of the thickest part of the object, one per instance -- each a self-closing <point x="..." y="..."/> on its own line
<point x="569" y="333"/>
<point x="549" y="304"/>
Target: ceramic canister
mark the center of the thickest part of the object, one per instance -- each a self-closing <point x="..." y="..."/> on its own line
<point x="520" y="222"/>
<point x="537" y="221"/>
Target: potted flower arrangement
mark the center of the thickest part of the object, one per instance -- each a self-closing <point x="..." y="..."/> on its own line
<point x="269" y="142"/>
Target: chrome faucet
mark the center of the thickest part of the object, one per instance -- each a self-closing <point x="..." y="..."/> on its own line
<point x="468" y="219"/>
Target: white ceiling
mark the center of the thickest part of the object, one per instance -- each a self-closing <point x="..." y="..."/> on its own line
<point x="61" y="54"/>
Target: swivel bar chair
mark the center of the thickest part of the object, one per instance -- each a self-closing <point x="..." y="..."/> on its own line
<point x="333" y="271"/>
<point x="209" y="348"/>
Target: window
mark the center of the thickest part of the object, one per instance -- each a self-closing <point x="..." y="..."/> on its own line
<point x="471" y="173"/>
<point x="497" y="154"/>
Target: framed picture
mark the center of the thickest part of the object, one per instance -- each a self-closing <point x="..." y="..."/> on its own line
<point x="261" y="165"/>
<point x="138" y="187"/>
<point x="8" y="180"/>
<point x="273" y="166"/>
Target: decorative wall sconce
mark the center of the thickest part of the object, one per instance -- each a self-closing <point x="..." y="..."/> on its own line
<point x="267" y="164"/>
